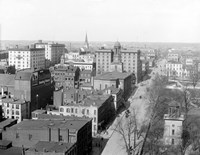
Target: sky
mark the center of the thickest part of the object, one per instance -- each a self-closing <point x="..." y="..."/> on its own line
<point x="103" y="20"/>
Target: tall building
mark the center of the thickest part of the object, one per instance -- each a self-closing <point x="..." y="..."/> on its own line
<point x="34" y="86"/>
<point x="26" y="57"/>
<point x="53" y="51"/>
<point x="86" y="42"/>
<point x="118" y="59"/>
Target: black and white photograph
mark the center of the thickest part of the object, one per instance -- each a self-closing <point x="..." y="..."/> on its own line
<point x="99" y="77"/>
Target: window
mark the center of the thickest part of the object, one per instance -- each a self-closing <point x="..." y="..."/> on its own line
<point x="13" y="112"/>
<point x="95" y="119"/>
<point x="61" y="110"/>
<point x="76" y="111"/>
<point x="87" y="111"/>
<point x="60" y="138"/>
<point x="17" y="112"/>
<point x="29" y="136"/>
<point x="172" y="131"/>
<point x="68" y="110"/>
<point x="17" y="135"/>
<point x="172" y="141"/>
<point x="7" y="104"/>
<point x="95" y="112"/>
<point x="83" y="111"/>
<point x="7" y="111"/>
<point x="95" y="128"/>
<point x="72" y="110"/>
<point x="13" y="106"/>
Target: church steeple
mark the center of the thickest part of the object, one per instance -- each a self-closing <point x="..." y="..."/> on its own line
<point x="86" y="41"/>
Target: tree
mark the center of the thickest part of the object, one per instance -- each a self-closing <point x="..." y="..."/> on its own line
<point x="11" y="70"/>
<point x="130" y="131"/>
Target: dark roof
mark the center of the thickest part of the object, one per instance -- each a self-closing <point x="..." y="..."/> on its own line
<point x="42" y="146"/>
<point x="112" y="76"/>
<point x="7" y="79"/>
<point x="5" y="142"/>
<point x="60" y="117"/>
<point x="40" y="124"/>
<point x="6" y="122"/>
<point x="11" y="151"/>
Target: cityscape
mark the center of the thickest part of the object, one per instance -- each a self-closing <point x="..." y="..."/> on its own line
<point x="136" y="91"/>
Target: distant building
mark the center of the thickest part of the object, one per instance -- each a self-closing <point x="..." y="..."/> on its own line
<point x="99" y="107"/>
<point x="125" y="81"/>
<point x="29" y="132"/>
<point x="174" y="68"/>
<point x="53" y="148"/>
<point x="53" y="51"/>
<point x="66" y="76"/>
<point x="86" y="79"/>
<point x="26" y="57"/>
<point x="145" y="66"/>
<point x="173" y="55"/>
<point x="119" y="59"/>
<point x="173" y="125"/>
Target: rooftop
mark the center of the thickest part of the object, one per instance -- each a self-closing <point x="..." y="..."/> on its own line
<point x="42" y="146"/>
<point x="131" y="50"/>
<point x="13" y="101"/>
<point x="7" y="79"/>
<point x="174" y="62"/>
<point x="112" y="75"/>
<point x="41" y="124"/>
<point x="6" y="122"/>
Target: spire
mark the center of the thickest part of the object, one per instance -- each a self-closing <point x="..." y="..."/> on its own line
<point x="86" y="42"/>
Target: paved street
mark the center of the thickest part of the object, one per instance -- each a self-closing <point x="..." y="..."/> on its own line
<point x="115" y="144"/>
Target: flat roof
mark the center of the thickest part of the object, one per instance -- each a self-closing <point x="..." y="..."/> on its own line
<point x="13" y="101"/>
<point x="40" y="124"/>
<point x="58" y="147"/>
<point x="112" y="76"/>
<point x="11" y="151"/>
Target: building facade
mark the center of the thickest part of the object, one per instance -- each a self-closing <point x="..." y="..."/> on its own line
<point x="66" y="76"/>
<point x="98" y="107"/>
<point x="119" y="59"/>
<point x="173" y="125"/>
<point x="34" y="86"/>
<point x="26" y="57"/>
<point x="53" y="51"/>
<point x="15" y="109"/>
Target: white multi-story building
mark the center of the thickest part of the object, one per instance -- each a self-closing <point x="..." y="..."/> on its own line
<point x="174" y="68"/>
<point x="173" y="125"/>
<point x="27" y="57"/>
<point x="53" y="51"/>
<point x="15" y="108"/>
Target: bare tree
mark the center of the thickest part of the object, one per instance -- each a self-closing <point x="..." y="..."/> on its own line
<point x="194" y="76"/>
<point x="131" y="132"/>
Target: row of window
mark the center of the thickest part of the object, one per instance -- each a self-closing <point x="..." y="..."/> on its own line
<point x="16" y="106"/>
<point x="75" y="110"/>
<point x="13" y="112"/>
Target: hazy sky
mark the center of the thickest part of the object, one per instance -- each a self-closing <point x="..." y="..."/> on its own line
<point x="103" y="20"/>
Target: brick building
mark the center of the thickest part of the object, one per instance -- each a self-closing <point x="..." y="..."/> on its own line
<point x="29" y="132"/>
<point x="98" y="106"/>
<point x="66" y="76"/>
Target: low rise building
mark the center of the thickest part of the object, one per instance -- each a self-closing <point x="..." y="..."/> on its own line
<point x="173" y="55"/>
<point x="124" y="80"/>
<point x="29" y="132"/>
<point x="15" y="109"/>
<point x="97" y="106"/>
<point x="173" y="125"/>
<point x="174" y="68"/>
<point x="52" y="148"/>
